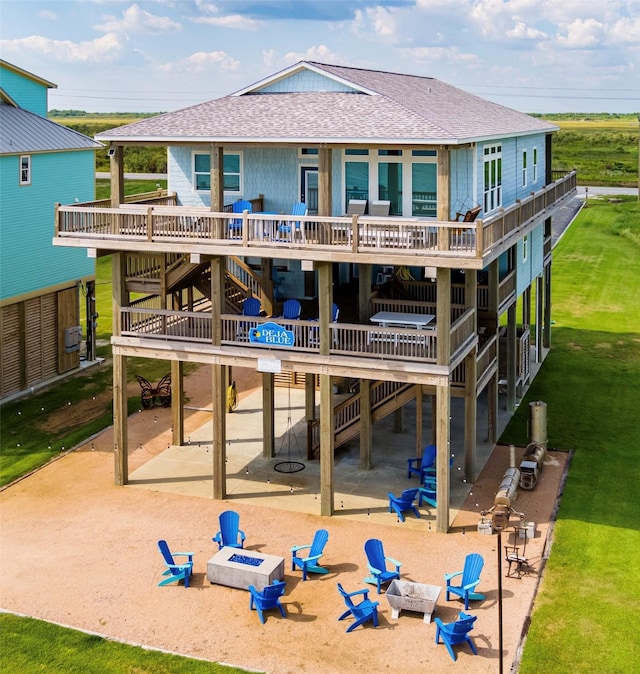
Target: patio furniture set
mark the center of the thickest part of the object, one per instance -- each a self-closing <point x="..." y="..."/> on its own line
<point x="262" y="575"/>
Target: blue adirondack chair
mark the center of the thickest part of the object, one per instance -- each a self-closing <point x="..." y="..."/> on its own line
<point x="377" y="564"/>
<point x="420" y="465"/>
<point x="470" y="577"/>
<point x="428" y="492"/>
<point x="314" y="333"/>
<point x="230" y="534"/>
<point x="403" y="503"/>
<point x="175" y="571"/>
<point x="267" y="598"/>
<point x="250" y="307"/>
<point x="290" y="229"/>
<point x="291" y="310"/>
<point x="456" y="632"/>
<point x="310" y="562"/>
<point x="364" y="611"/>
<point x="235" y="224"/>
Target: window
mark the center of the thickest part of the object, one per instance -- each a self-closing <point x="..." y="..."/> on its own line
<point x="492" y="177"/>
<point x="232" y="169"/>
<point x="356" y="180"/>
<point x="535" y="164"/>
<point x="524" y="168"/>
<point x="308" y="151"/>
<point x="525" y="247"/>
<point x="390" y="185"/>
<point x="25" y="169"/>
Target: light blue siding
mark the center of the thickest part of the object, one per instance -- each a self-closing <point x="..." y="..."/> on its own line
<point x="29" y="260"/>
<point x="463" y="194"/>
<point x="27" y="93"/>
<point x="305" y="81"/>
<point x="529" y="269"/>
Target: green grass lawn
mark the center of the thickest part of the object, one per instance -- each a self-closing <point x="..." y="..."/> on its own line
<point x="30" y="646"/>
<point x="587" y="611"/>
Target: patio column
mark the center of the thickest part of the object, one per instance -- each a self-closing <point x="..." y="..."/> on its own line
<point x="216" y="183"/>
<point x="470" y="379"/>
<point x="116" y="169"/>
<point x="327" y="439"/>
<point x="512" y="355"/>
<point x="366" y="429"/>
<point x="443" y="407"/>
<point x="218" y="379"/>
<point x="268" y="415"/>
<point x="539" y="317"/>
<point x="326" y="445"/>
<point x="177" y="402"/>
<point x="443" y="403"/>
<point x="364" y="292"/>
<point x="120" y="433"/>
<point x="546" y="338"/>
<point x="309" y="406"/>
<point x="325" y="157"/>
<point x="419" y="420"/>
<point x="492" y="316"/>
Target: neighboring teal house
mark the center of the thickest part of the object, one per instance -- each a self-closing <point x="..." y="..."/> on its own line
<point x="42" y="288"/>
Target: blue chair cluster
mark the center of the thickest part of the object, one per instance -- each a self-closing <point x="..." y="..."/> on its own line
<point x="382" y="570"/>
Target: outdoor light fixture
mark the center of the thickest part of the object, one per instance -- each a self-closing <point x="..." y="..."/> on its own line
<point x="112" y="152"/>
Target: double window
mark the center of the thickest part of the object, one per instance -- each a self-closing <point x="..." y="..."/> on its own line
<point x="492" y="177"/>
<point x="232" y="169"/>
<point x="25" y="169"/>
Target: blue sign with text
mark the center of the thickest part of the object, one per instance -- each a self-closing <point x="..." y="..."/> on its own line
<point x="271" y="334"/>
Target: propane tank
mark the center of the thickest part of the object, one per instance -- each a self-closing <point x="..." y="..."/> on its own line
<point x="538" y="422"/>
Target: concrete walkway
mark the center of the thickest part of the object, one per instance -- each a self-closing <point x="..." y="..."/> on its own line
<point x="359" y="494"/>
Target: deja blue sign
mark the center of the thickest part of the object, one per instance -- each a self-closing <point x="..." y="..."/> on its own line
<point x="271" y="334"/>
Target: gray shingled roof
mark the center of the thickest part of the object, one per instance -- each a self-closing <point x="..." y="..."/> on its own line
<point x="407" y="108"/>
<point x="22" y="132"/>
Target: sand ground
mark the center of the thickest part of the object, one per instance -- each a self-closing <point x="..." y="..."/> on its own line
<point x="79" y="551"/>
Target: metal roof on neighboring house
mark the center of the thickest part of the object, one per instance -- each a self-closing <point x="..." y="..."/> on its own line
<point x="383" y="108"/>
<point x="23" y="132"/>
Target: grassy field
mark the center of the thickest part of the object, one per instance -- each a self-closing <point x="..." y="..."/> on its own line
<point x="603" y="148"/>
<point x="587" y="610"/>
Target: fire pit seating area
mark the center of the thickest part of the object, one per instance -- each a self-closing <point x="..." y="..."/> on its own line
<point x="262" y="575"/>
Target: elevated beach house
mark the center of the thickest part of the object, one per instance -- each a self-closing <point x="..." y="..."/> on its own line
<point x="406" y="218"/>
<point x="42" y="287"/>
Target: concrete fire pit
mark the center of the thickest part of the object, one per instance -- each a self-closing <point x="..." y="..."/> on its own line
<point x="419" y="597"/>
<point x="239" y="568"/>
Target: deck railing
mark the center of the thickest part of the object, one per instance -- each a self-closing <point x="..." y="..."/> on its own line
<point x="364" y="341"/>
<point x="409" y="237"/>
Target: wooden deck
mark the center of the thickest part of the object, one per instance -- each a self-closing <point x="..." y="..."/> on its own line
<point x="357" y="239"/>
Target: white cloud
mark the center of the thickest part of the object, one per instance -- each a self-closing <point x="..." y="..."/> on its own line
<point x="47" y="15"/>
<point x="441" y="55"/>
<point x="137" y="20"/>
<point x="236" y="21"/>
<point x="376" y="23"/>
<point x="523" y="32"/>
<point x="321" y="53"/>
<point x="625" y="30"/>
<point x="582" y="34"/>
<point x="104" y="49"/>
<point x="200" y="62"/>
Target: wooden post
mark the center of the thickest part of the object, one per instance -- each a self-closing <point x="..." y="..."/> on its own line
<point x="120" y="432"/>
<point x="325" y="301"/>
<point x="470" y="379"/>
<point x="218" y="389"/>
<point x="443" y="406"/>
<point x="116" y="172"/>
<point x="512" y="356"/>
<point x="539" y="317"/>
<point x="177" y="402"/>
<point x="546" y="339"/>
<point x="326" y="445"/>
<point x="419" y="420"/>
<point x="268" y="415"/>
<point x="366" y="428"/>
<point x="364" y="292"/>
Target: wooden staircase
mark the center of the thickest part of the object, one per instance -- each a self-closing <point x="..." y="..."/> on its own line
<point x="386" y="397"/>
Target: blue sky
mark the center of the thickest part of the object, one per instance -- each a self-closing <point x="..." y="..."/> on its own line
<point x="157" y="55"/>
